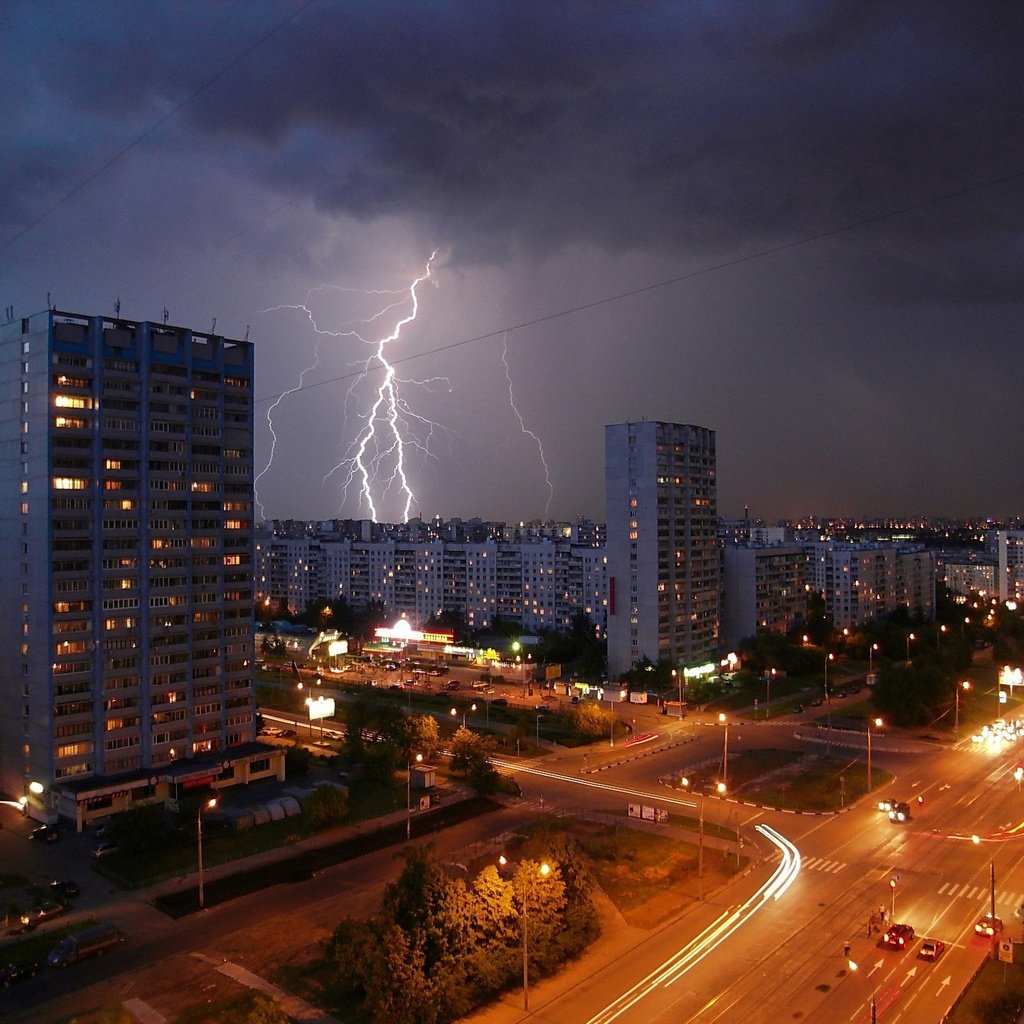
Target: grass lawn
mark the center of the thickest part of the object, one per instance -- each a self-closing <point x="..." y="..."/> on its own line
<point x="995" y="997"/>
<point x="816" y="783"/>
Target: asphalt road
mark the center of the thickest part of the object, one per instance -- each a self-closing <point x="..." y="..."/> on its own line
<point x="786" y="960"/>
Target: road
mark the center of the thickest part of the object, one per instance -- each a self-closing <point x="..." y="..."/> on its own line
<point x="738" y="955"/>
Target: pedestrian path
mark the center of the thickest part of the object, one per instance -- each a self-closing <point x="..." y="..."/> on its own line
<point x="1004" y="898"/>
<point x="831" y="867"/>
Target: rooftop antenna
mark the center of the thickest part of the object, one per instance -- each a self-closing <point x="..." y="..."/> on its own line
<point x="49" y="301"/>
<point x="9" y="312"/>
<point x="117" y="306"/>
<point x="166" y="315"/>
<point x="213" y="328"/>
<point x="246" y="332"/>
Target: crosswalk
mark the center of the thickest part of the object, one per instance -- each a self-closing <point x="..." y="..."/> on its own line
<point x="831" y="867"/>
<point x="1004" y="898"/>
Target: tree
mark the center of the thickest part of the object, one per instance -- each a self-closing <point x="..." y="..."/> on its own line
<point x="590" y="720"/>
<point x="916" y="695"/>
<point x="422" y="736"/>
<point x="469" y="754"/>
<point x="325" y="806"/>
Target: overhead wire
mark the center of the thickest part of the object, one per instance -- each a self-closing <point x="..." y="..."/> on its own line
<point x="736" y="261"/>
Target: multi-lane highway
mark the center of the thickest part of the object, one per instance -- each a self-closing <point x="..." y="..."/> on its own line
<point x="778" y="943"/>
<point x="815" y="952"/>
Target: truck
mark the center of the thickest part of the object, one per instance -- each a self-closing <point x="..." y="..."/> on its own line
<point x="89" y="942"/>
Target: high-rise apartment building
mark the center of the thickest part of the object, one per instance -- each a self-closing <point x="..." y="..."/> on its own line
<point x="663" y="560"/>
<point x="762" y="590"/>
<point x="126" y="538"/>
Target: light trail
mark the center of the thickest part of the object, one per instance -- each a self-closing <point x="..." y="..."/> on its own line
<point x="589" y="783"/>
<point x="680" y="963"/>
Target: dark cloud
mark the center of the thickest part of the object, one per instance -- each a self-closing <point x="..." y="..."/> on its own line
<point x="583" y="147"/>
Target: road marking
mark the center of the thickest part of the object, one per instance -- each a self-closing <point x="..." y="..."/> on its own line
<point x="945" y="886"/>
<point x="943" y="984"/>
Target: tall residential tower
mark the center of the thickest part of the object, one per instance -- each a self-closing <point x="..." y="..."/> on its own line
<point x="126" y="539"/>
<point x="663" y="567"/>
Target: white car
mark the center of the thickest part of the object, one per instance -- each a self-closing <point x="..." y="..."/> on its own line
<point x="103" y="849"/>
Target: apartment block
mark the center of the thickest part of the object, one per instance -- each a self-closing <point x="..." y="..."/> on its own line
<point x="762" y="590"/>
<point x="126" y="495"/>
<point x="663" y="559"/>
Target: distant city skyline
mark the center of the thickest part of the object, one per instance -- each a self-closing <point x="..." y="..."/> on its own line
<point x="797" y="225"/>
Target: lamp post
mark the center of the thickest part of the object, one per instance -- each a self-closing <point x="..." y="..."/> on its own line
<point x="877" y="724"/>
<point x="768" y="695"/>
<point x="679" y="678"/>
<point x="938" y="637"/>
<point x="455" y="714"/>
<point x="539" y="717"/>
<point x="871" y="659"/>
<point x="828" y="707"/>
<point x="852" y="964"/>
<point x="965" y="685"/>
<point x="524" y="917"/>
<point x="700" y="833"/>
<point x="209" y="805"/>
<point x="910" y="636"/>
<point x="408" y="795"/>
<point x="725" y="749"/>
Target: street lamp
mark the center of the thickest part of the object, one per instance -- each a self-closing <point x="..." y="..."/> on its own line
<point x="965" y="685"/>
<point x="877" y="724"/>
<point x="871" y="659"/>
<point x="938" y="636"/>
<point x="539" y="717"/>
<point x="700" y="840"/>
<point x="852" y="964"/>
<point x="720" y="789"/>
<point x="892" y="886"/>
<point x="910" y="636"/>
<point x="768" y="696"/>
<point x="524" y="916"/>
<point x="679" y="677"/>
<point x="455" y="714"/>
<point x="725" y="749"/>
<point x="408" y="795"/>
<point x="828" y="707"/>
<point x="209" y="805"/>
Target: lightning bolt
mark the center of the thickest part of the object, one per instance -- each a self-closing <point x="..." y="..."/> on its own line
<point x="378" y="459"/>
<point x="522" y="424"/>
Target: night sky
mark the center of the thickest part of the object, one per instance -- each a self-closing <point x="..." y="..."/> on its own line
<point x="834" y="192"/>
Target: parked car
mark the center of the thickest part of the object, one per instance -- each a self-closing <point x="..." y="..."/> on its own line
<point x="931" y="949"/>
<point x="452" y="684"/>
<point x="499" y="702"/>
<point x="798" y="709"/>
<point x="18" y="970"/>
<point x="64" y="888"/>
<point x="104" y="848"/>
<point x="42" y="912"/>
<point x="45" y="834"/>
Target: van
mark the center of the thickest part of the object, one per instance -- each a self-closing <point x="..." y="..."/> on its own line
<point x="90" y="942"/>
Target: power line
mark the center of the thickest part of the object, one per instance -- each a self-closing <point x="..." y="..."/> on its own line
<point x="689" y="276"/>
<point x="173" y="112"/>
